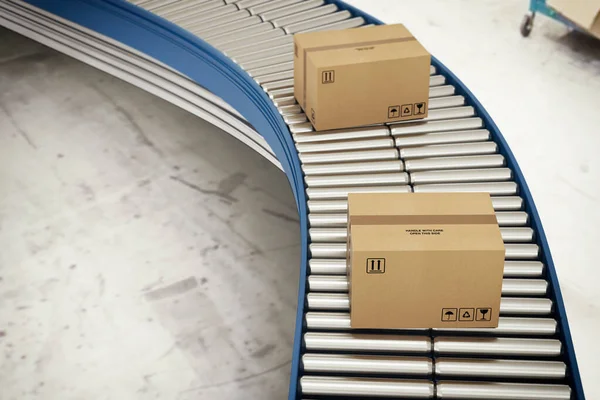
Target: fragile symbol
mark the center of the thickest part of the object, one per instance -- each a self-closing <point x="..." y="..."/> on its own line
<point x="466" y="314"/>
<point x="393" y="111"/>
<point x="375" y="265"/>
<point x="449" y="314"/>
<point x="328" y="76"/>
<point x="407" y="109"/>
<point x="484" y="314"/>
<point x="419" y="108"/>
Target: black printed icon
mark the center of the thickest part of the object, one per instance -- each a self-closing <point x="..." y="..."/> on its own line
<point x="449" y="314"/>
<point x="393" y="111"/>
<point x="484" y="314"/>
<point x="407" y="109"/>
<point x="375" y="265"/>
<point x="419" y="108"/>
<point x="312" y="115"/>
<point x="328" y="76"/>
<point x="466" y="314"/>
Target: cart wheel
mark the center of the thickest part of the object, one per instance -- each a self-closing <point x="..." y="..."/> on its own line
<point x="527" y="25"/>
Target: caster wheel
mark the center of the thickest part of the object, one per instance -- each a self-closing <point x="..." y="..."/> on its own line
<point x="527" y="25"/>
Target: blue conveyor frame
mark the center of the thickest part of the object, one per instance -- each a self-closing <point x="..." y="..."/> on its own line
<point x="191" y="56"/>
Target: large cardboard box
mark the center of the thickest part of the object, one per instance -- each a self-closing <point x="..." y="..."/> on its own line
<point x="424" y="260"/>
<point x="361" y="76"/>
<point x="585" y="13"/>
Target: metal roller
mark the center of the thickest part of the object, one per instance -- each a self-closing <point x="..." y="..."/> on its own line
<point x="513" y="326"/>
<point x="501" y="391"/>
<point x="524" y="287"/>
<point x="501" y="203"/>
<point x="281" y="93"/>
<point x="200" y="28"/>
<point x="452" y="150"/>
<point x="277" y="76"/>
<point x="449" y="113"/>
<point x="512" y="269"/>
<point x="344" y="24"/>
<point x="248" y="3"/>
<point x="367" y="342"/>
<point x="367" y="365"/>
<point x="271" y="5"/>
<point x="293" y="7"/>
<point x="212" y="8"/>
<point x="249" y="40"/>
<point x="290" y="110"/>
<point x="316" y="22"/>
<point x="514" y="251"/>
<point x="271" y="69"/>
<point x="493" y="188"/>
<point x="507" y="203"/>
<point x="437" y="80"/>
<point x="300" y="128"/>
<point x="519" y="251"/>
<point x="447" y="367"/>
<point x="521" y="269"/>
<point x="239" y="34"/>
<point x="510" y="287"/>
<point x="297" y="16"/>
<point x="525" y="306"/>
<point x="153" y="5"/>
<point x="516" y="235"/>
<point x="436" y="126"/>
<point x="447" y="101"/>
<point x="328" y="250"/>
<point x="353" y="168"/>
<point x="461" y="175"/>
<point x="341" y="219"/>
<point x="473" y="135"/>
<point x="255" y="49"/>
<point x="328" y="235"/>
<point x="497" y="346"/>
<point x="195" y="18"/>
<point x="328" y="283"/>
<point x="349" y="156"/>
<point x="463" y="162"/>
<point x="272" y="55"/>
<point x="328" y="301"/>
<point x="327" y="266"/>
<point x="207" y="32"/>
<point x="279" y="84"/>
<point x="368" y="132"/>
<point x="508" y="306"/>
<point x="387" y="178"/>
<point x="506" y="325"/>
<point x="441" y="91"/>
<point x="168" y="9"/>
<point x="267" y="62"/>
<point x="288" y="101"/>
<point x="512" y="218"/>
<point x="295" y="119"/>
<point x="345" y="145"/>
<point x="372" y="387"/>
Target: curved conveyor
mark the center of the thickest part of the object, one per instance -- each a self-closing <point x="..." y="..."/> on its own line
<point x="230" y="62"/>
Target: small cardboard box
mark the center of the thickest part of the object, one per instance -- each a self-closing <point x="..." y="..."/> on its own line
<point x="361" y="76"/>
<point x="424" y="260"/>
<point x="585" y="13"/>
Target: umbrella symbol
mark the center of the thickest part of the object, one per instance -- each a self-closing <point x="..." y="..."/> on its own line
<point x="449" y="314"/>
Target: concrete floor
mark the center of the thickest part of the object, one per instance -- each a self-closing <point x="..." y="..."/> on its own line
<point x="146" y="254"/>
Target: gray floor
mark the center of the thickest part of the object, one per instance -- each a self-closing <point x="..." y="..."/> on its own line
<point x="146" y="254"/>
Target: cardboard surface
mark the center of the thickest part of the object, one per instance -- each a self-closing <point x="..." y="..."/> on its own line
<point x="585" y="13"/>
<point x="363" y="76"/>
<point x="424" y="260"/>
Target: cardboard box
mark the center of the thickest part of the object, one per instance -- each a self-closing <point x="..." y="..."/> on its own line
<point x="363" y="76"/>
<point x="424" y="260"/>
<point x="585" y="13"/>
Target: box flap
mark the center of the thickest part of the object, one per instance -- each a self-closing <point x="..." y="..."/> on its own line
<point x="420" y="208"/>
<point x="582" y="12"/>
<point x="353" y="37"/>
